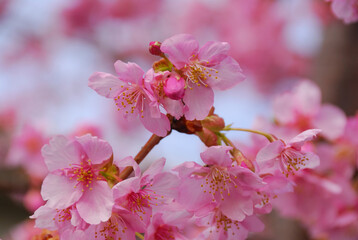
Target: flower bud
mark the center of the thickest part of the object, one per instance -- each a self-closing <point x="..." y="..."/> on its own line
<point x="213" y="122"/>
<point x="174" y="87"/>
<point x="154" y="48"/>
<point x="208" y="137"/>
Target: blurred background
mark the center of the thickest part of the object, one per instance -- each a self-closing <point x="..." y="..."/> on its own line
<point x="48" y="50"/>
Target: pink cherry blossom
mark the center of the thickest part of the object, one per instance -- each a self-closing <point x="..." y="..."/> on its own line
<point x="219" y="226"/>
<point x="131" y="96"/>
<point x="168" y="224"/>
<point x="142" y="193"/>
<point x="289" y="157"/>
<point x="347" y="10"/>
<point x="205" y="68"/>
<point x="64" y="221"/>
<point x="301" y="108"/>
<point x="75" y="178"/>
<point x="26" y="151"/>
<point x="219" y="184"/>
<point x="121" y="225"/>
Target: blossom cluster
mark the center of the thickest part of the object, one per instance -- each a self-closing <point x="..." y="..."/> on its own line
<point x="90" y="194"/>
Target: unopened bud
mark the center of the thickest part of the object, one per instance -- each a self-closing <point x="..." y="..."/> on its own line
<point x="213" y="122"/>
<point x="154" y="48"/>
<point x="174" y="87"/>
<point x="208" y="137"/>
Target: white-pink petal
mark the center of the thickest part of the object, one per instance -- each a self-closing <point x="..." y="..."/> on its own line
<point x="60" y="153"/>
<point x="217" y="155"/>
<point x="155" y="168"/>
<point x="265" y="157"/>
<point x="159" y="126"/>
<point x="198" y="101"/>
<point x="305" y="136"/>
<point x="331" y="120"/>
<point x="173" y="107"/>
<point x="129" y="72"/>
<point x="60" y="191"/>
<point x="105" y="84"/>
<point x="96" y="205"/>
<point x="180" y="48"/>
<point x="229" y="73"/>
<point x="236" y="206"/>
<point x="127" y="162"/>
<point x="96" y="149"/>
<point x="313" y="160"/>
<point x="307" y="98"/>
<point x="213" y="52"/>
<point x="284" y="108"/>
<point x="44" y="218"/>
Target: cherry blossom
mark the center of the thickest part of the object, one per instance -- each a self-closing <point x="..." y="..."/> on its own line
<point x="205" y="68"/>
<point x="131" y="96"/>
<point x="74" y="176"/>
<point x="289" y="157"/>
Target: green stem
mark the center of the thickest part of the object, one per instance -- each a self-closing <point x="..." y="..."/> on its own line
<point x="139" y="235"/>
<point x="268" y="136"/>
<point x="236" y="153"/>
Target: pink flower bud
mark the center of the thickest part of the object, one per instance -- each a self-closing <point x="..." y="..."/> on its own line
<point x="154" y="48"/>
<point x="213" y="122"/>
<point x="174" y="88"/>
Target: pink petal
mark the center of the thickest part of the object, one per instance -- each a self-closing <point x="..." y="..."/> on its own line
<point x="187" y="168"/>
<point x="237" y="207"/>
<point x="228" y="74"/>
<point x="173" y="107"/>
<point x="198" y="101"/>
<point x="60" y="191"/>
<point x="155" y="168"/>
<point x="346" y="10"/>
<point x="159" y="126"/>
<point x="96" y="149"/>
<point x="96" y="205"/>
<point x="180" y="48"/>
<point x="331" y="120"/>
<point x="308" y="135"/>
<point x="105" y="84"/>
<point x="44" y="218"/>
<point x="128" y="162"/>
<point x="166" y="184"/>
<point x="217" y="155"/>
<point x="307" y="98"/>
<point x="313" y="160"/>
<point x="126" y="187"/>
<point x="129" y="72"/>
<point x="253" y="224"/>
<point x="60" y="153"/>
<point x="267" y="155"/>
<point x="192" y="196"/>
<point x="246" y="177"/>
<point x="213" y="52"/>
<point x="284" y="108"/>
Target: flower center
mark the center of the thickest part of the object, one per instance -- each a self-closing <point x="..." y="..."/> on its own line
<point x="84" y="174"/>
<point x="218" y="180"/>
<point x="130" y="98"/>
<point x="197" y="74"/>
<point x="164" y="232"/>
<point x="293" y="160"/>
<point x="223" y="222"/>
<point x="63" y="215"/>
<point x="46" y="235"/>
<point x="137" y="202"/>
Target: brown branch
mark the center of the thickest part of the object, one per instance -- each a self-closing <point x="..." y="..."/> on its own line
<point x="153" y="140"/>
